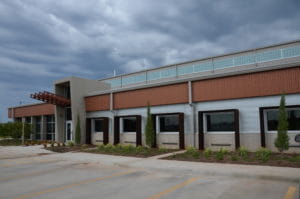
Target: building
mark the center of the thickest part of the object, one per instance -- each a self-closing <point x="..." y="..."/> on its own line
<point x="224" y="101"/>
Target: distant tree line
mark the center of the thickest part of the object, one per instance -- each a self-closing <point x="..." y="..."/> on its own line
<point x="14" y="130"/>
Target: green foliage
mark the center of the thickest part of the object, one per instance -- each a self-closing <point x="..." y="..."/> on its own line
<point x="192" y="151"/>
<point x="10" y="142"/>
<point x="70" y="143"/>
<point x="162" y="150"/>
<point x="282" y="140"/>
<point x="207" y="152"/>
<point x="243" y="152"/>
<point x="263" y="154"/>
<point x="234" y="158"/>
<point x="221" y="153"/>
<point x="14" y="130"/>
<point x="149" y="130"/>
<point x="78" y="131"/>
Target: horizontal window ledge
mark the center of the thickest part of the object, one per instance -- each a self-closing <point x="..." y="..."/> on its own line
<point x="169" y="143"/>
<point x="220" y="144"/>
<point x="129" y="142"/>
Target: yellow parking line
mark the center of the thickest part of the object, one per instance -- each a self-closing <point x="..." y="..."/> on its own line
<point x="171" y="189"/>
<point x="290" y="193"/>
<point x="71" y="185"/>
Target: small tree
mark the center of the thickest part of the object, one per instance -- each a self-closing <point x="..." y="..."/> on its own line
<point x="78" y="131"/>
<point x="149" y="130"/>
<point x="282" y="140"/>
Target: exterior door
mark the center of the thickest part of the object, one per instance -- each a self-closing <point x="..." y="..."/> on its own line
<point x="69" y="131"/>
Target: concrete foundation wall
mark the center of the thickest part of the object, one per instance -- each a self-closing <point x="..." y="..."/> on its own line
<point x="128" y="138"/>
<point x="97" y="138"/>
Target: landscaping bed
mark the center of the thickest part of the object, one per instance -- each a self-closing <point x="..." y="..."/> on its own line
<point x="10" y="142"/>
<point x="129" y="150"/>
<point x="64" y="149"/>
<point x="261" y="157"/>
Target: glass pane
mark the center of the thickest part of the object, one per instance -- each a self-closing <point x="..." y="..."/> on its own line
<point x="272" y="120"/>
<point x="169" y="123"/>
<point x="28" y="120"/>
<point x="98" y="126"/>
<point x="268" y="55"/>
<point x="182" y="70"/>
<point x="294" y="119"/>
<point x="68" y="113"/>
<point x="114" y="82"/>
<point x="205" y="66"/>
<point x="220" y="121"/>
<point x="223" y="63"/>
<point x="243" y="60"/>
<point x="134" y="79"/>
<point x="291" y="52"/>
<point x="129" y="124"/>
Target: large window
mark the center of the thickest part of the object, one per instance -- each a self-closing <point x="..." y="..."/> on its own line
<point x="38" y="126"/>
<point x="169" y="123"/>
<point x="28" y="120"/>
<point x="98" y="125"/>
<point x="293" y="119"/>
<point x="222" y="121"/>
<point x="50" y="127"/>
<point x="129" y="124"/>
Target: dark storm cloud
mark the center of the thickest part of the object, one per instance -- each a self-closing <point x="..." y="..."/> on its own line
<point x="43" y="40"/>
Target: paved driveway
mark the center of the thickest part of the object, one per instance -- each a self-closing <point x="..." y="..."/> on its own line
<point x="55" y="176"/>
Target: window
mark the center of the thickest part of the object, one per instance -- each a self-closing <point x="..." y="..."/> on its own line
<point x="50" y="127"/>
<point x="98" y="126"/>
<point x="169" y="123"/>
<point x="38" y="127"/>
<point x="293" y="119"/>
<point x="68" y="113"/>
<point x="222" y="121"/>
<point x="129" y="124"/>
<point x="28" y="120"/>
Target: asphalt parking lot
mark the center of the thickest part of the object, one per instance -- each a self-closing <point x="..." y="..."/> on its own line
<point x="49" y="176"/>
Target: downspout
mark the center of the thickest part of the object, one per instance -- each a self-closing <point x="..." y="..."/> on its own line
<point x="190" y="91"/>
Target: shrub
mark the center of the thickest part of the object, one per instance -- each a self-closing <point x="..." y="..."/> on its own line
<point x="207" y="152"/>
<point x="100" y="147"/>
<point x="192" y="151"/>
<point x="83" y="146"/>
<point x="52" y="144"/>
<point x="149" y="130"/>
<point x="234" y="158"/>
<point x="282" y="140"/>
<point x="220" y="154"/>
<point x="263" y="154"/>
<point x="139" y="149"/>
<point x="58" y="144"/>
<point x="108" y="148"/>
<point x="162" y="150"/>
<point x="243" y="152"/>
<point x="78" y="131"/>
<point x="70" y="143"/>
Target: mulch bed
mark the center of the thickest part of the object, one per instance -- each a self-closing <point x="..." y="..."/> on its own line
<point x="65" y="149"/>
<point x="276" y="159"/>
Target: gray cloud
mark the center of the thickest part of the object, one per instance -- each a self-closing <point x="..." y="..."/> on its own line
<point x="43" y="40"/>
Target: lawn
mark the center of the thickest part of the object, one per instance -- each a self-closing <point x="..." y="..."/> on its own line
<point x="260" y="157"/>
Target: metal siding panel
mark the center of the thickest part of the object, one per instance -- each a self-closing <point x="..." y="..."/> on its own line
<point x="250" y="85"/>
<point x="171" y="94"/>
<point x="97" y="103"/>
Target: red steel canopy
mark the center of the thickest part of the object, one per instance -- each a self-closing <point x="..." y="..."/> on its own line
<point x="51" y="98"/>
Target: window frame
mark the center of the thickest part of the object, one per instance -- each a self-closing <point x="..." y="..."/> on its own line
<point x="205" y="128"/>
<point x="265" y="118"/>
<point x="158" y="130"/>
<point x="122" y="125"/>
<point x="93" y="125"/>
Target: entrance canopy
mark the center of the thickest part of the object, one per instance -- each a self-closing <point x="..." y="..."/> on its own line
<point x="51" y="98"/>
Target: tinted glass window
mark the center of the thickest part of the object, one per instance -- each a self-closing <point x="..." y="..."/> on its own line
<point x="28" y="120"/>
<point x="68" y="113"/>
<point x="169" y="123"/>
<point x="293" y="119"/>
<point x="38" y="125"/>
<point x="129" y="124"/>
<point x="220" y="121"/>
<point x="98" y="126"/>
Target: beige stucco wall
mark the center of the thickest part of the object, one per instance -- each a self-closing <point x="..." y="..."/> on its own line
<point x="128" y="138"/>
<point x="210" y="140"/>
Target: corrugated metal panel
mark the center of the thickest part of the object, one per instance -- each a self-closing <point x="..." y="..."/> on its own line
<point x="250" y="85"/>
<point x="171" y="94"/>
<point x="97" y="103"/>
<point x="34" y="110"/>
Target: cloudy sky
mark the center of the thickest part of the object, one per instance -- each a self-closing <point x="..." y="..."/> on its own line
<point x="45" y="40"/>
